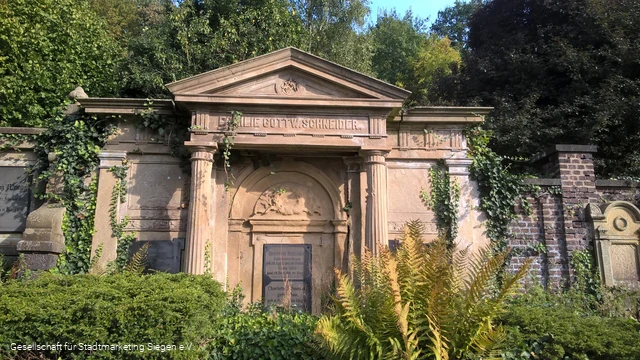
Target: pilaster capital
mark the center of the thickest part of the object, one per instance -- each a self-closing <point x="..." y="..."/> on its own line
<point x="109" y="158"/>
<point x="202" y="150"/>
<point x="353" y="163"/>
<point x="374" y="156"/>
<point x="458" y="167"/>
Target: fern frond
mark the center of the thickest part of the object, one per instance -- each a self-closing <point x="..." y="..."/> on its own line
<point x="481" y="276"/>
<point x="138" y="261"/>
<point x="510" y="283"/>
<point x="411" y="260"/>
<point x="439" y="346"/>
<point x="423" y="302"/>
<point x="488" y="342"/>
<point x="416" y="228"/>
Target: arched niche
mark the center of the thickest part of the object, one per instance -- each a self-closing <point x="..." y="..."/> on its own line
<point x="289" y="203"/>
<point x="617" y="245"/>
<point x="299" y="177"/>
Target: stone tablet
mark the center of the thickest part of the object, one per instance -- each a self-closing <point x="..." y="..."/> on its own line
<point x="162" y="255"/>
<point x="14" y="198"/>
<point x="287" y="270"/>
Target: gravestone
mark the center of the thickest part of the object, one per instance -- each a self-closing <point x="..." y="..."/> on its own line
<point x="287" y="270"/>
<point x="14" y="198"/>
<point x="162" y="255"/>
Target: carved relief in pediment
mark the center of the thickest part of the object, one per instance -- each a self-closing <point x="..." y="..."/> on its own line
<point x="291" y="84"/>
<point x="288" y="199"/>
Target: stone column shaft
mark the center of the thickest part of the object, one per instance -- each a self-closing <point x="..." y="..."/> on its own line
<point x="376" y="231"/>
<point x="198" y="230"/>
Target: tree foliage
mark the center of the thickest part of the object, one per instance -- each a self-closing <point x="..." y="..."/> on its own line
<point x="558" y="72"/>
<point x="336" y="30"/>
<point x="435" y="61"/>
<point x="453" y="21"/>
<point x="131" y="48"/>
<point x="48" y="48"/>
<point x="397" y="40"/>
<point x="187" y="38"/>
<point x="406" y="55"/>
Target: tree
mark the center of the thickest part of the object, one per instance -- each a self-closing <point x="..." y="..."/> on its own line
<point x="396" y="41"/>
<point x="120" y="16"/>
<point x="406" y="55"/>
<point x="47" y="48"/>
<point x="179" y="40"/>
<point x="436" y="60"/>
<point x="453" y="21"/>
<point x="558" y="72"/>
<point x="336" y="30"/>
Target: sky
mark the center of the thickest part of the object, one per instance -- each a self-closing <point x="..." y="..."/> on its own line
<point x="421" y="8"/>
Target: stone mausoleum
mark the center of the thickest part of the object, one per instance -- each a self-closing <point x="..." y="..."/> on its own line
<point x="326" y="163"/>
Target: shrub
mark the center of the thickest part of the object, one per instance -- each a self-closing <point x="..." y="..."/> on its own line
<point x="560" y="332"/>
<point x="259" y="333"/>
<point x="424" y="302"/>
<point x="161" y="309"/>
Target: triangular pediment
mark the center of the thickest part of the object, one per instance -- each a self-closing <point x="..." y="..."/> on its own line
<point x="287" y="73"/>
<point x="290" y="82"/>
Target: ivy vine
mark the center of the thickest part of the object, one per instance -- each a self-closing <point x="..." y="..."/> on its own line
<point x="118" y="195"/>
<point x="500" y="190"/>
<point x="443" y="200"/>
<point x="228" y="141"/>
<point x="76" y="140"/>
<point x="586" y="275"/>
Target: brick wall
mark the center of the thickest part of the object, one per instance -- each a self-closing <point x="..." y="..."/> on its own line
<point x="558" y="220"/>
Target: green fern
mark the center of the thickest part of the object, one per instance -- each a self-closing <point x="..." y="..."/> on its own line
<point x="138" y="262"/>
<point x="423" y="302"/>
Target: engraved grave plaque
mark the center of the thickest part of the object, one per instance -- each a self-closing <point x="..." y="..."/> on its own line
<point x="287" y="268"/>
<point x="162" y="255"/>
<point x="14" y="198"/>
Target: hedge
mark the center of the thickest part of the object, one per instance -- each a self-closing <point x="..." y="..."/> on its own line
<point x="259" y="333"/>
<point x="122" y="309"/>
<point x="560" y="332"/>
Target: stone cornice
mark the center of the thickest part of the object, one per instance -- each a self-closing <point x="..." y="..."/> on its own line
<point x="126" y="106"/>
<point x="445" y="115"/>
<point x="21" y="130"/>
<point x="279" y="101"/>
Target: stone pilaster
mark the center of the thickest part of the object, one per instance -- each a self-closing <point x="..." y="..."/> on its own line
<point x="103" y="232"/>
<point x="198" y="228"/>
<point x="467" y="234"/>
<point x="355" y="241"/>
<point x="376" y="231"/>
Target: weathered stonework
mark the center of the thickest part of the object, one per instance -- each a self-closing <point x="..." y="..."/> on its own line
<point x="617" y="245"/>
<point x="325" y="165"/>
<point x="16" y="195"/>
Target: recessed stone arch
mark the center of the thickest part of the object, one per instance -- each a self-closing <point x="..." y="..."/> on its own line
<point x="295" y="205"/>
<point x="291" y="183"/>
